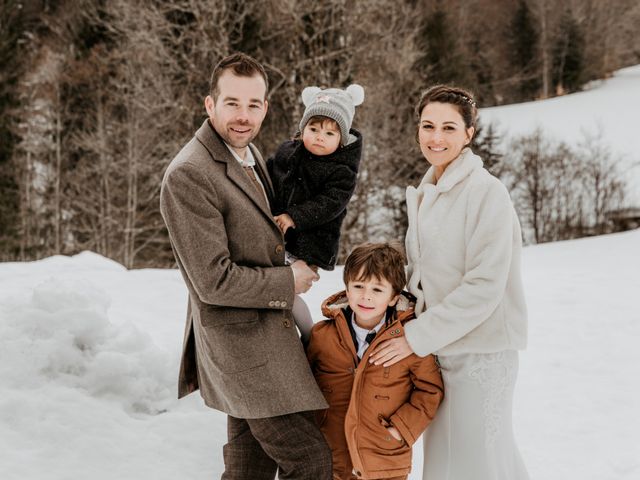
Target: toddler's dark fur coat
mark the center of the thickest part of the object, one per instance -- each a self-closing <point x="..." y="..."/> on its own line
<point x="314" y="191"/>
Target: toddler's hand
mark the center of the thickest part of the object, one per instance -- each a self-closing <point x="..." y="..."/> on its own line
<point x="285" y="222"/>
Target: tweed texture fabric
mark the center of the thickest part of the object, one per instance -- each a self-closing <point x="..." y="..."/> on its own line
<point x="290" y="444"/>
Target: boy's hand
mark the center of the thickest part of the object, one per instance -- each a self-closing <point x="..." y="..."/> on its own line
<point x="285" y="222"/>
<point x="393" y="431"/>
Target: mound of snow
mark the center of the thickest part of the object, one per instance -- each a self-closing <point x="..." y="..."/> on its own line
<point x="62" y="338"/>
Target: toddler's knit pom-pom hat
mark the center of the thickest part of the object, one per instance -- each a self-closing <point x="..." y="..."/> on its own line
<point x="334" y="103"/>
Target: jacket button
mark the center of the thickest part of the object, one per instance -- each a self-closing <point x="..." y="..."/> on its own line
<point x="272" y="303"/>
<point x="276" y="303"/>
<point x="279" y="249"/>
<point x="283" y="304"/>
<point x="286" y="323"/>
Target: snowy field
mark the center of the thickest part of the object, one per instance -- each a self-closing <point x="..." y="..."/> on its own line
<point x="89" y="356"/>
<point x="609" y="107"/>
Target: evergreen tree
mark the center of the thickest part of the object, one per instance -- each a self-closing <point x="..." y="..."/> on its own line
<point x="440" y="61"/>
<point x="12" y="25"/>
<point x="482" y="69"/>
<point x="486" y="143"/>
<point x="524" y="51"/>
<point x="568" y="55"/>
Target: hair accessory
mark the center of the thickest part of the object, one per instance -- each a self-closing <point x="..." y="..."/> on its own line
<point x="468" y="100"/>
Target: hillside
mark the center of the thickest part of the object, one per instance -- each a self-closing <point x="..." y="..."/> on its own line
<point x="609" y="106"/>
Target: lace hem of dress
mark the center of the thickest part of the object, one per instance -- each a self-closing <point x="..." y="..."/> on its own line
<point x="494" y="373"/>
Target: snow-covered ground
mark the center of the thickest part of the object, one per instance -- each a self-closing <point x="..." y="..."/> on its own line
<point x="89" y="355"/>
<point x="609" y="107"/>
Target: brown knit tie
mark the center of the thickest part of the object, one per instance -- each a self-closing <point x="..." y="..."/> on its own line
<point x="254" y="180"/>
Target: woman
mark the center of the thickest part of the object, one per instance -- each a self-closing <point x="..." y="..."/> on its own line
<point x="463" y="248"/>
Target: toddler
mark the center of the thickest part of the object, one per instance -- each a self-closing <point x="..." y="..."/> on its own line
<point x="314" y="177"/>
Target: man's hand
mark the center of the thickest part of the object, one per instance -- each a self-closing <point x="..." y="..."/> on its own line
<point x="285" y="222"/>
<point x="303" y="276"/>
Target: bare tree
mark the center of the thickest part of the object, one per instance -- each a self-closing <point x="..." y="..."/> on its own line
<point x="544" y="13"/>
<point x="603" y="181"/>
<point x="563" y="192"/>
<point x="90" y="179"/>
<point x="38" y="155"/>
<point x="534" y="182"/>
<point x="122" y="148"/>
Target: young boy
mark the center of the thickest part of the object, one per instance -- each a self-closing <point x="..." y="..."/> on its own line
<point x="375" y="413"/>
<point x="314" y="177"/>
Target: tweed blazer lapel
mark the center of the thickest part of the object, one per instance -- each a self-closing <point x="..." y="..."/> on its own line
<point x="220" y="153"/>
<point x="263" y="173"/>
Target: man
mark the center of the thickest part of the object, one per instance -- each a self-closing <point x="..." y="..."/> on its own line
<point x="241" y="348"/>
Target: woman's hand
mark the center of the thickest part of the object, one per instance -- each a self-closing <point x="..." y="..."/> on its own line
<point x="285" y="222"/>
<point x="390" y="352"/>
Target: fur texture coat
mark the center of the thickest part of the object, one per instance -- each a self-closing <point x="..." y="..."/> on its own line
<point x="463" y="249"/>
<point x="314" y="191"/>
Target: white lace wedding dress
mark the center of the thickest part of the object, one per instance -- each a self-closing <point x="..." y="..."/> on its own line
<point x="471" y="437"/>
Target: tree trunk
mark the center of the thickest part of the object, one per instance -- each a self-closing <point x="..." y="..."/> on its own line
<point x="132" y="192"/>
<point x="57" y="217"/>
<point x="544" y="48"/>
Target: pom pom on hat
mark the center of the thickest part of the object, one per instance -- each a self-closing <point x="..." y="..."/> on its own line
<point x="357" y="93"/>
<point x="334" y="103"/>
<point x="309" y="95"/>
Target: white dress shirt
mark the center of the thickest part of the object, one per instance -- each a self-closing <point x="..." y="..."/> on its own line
<point x="361" y="334"/>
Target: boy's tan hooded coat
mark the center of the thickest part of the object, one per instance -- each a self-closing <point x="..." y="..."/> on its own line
<point x="364" y="398"/>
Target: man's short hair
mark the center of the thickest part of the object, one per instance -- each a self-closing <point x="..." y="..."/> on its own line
<point x="242" y="65"/>
<point x="376" y="260"/>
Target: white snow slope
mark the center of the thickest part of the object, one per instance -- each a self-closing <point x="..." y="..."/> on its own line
<point x="610" y="107"/>
<point x="89" y="356"/>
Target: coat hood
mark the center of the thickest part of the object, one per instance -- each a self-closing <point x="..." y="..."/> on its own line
<point x="334" y="306"/>
<point x="459" y="169"/>
<point x="348" y="155"/>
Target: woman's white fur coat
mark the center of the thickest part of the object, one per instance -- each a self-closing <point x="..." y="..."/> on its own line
<point x="463" y="248"/>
